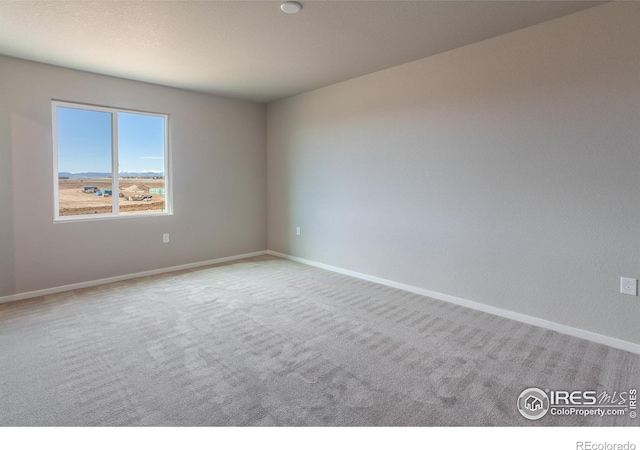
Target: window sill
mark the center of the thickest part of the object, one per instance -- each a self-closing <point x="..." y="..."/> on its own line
<point x="98" y="217"/>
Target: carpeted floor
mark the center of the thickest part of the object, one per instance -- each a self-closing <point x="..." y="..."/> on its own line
<point x="267" y="341"/>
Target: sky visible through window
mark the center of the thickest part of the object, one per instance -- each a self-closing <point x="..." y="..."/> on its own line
<point x="84" y="141"/>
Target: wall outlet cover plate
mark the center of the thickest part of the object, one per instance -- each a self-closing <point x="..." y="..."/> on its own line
<point x="628" y="286"/>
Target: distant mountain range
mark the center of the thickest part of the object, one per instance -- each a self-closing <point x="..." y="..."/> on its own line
<point x="145" y="174"/>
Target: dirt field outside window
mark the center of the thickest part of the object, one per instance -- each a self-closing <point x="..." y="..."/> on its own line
<point x="133" y="196"/>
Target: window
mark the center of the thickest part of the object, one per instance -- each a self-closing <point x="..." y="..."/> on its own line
<point x="109" y="162"/>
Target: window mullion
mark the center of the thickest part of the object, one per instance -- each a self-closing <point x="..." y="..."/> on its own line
<point x="115" y="169"/>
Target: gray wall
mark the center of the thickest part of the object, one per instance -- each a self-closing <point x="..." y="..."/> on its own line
<point x="218" y="154"/>
<point x="506" y="172"/>
<point x="6" y="198"/>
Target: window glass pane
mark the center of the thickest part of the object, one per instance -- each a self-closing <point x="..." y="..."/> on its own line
<point x="84" y="161"/>
<point x="141" y="159"/>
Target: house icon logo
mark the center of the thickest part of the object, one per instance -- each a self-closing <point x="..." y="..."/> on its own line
<point x="533" y="403"/>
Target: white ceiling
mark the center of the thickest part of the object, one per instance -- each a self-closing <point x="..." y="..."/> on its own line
<point x="250" y="49"/>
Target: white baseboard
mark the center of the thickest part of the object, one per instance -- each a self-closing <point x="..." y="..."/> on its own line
<point x="71" y="287"/>
<point x="530" y="320"/>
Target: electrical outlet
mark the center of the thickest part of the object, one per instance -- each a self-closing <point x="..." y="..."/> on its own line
<point x="628" y="286"/>
<point x="165" y="238"/>
<point x="297" y="231"/>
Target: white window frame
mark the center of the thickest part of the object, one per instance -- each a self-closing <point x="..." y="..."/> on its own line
<point x="115" y="214"/>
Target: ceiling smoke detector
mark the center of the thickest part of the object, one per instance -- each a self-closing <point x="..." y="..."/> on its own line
<point x="291" y="7"/>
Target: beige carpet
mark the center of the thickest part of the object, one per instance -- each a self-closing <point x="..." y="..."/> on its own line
<point x="267" y="341"/>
